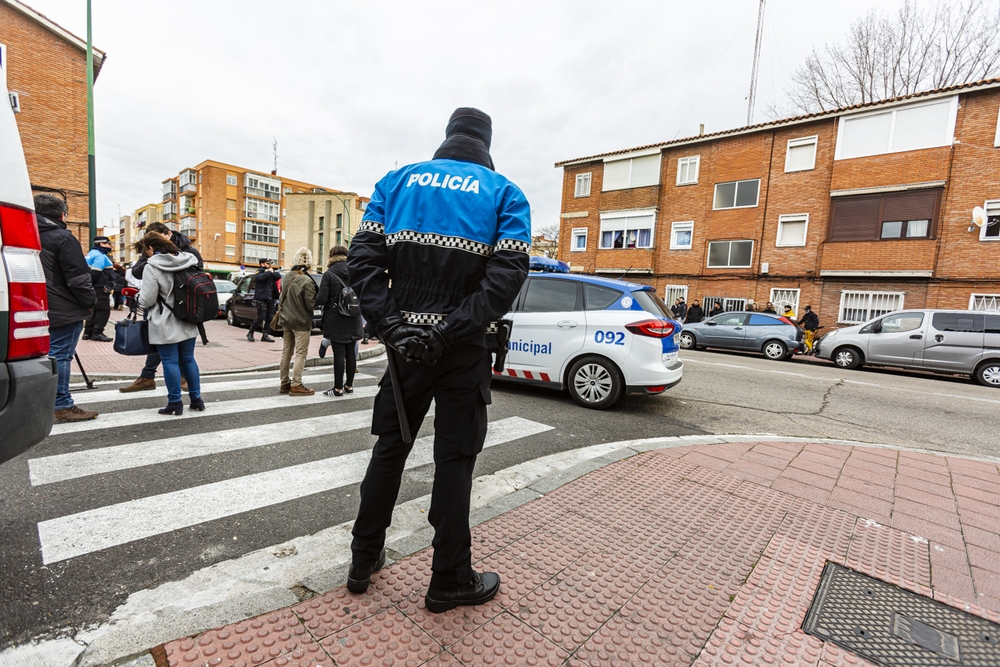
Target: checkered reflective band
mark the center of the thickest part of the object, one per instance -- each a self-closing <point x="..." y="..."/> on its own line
<point x="513" y="245"/>
<point x="457" y="242"/>
<point x="492" y="328"/>
<point x="422" y="319"/>
<point x="371" y="226"/>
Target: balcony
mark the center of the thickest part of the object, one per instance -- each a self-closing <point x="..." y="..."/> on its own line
<point x="190" y="232"/>
<point x="189" y="187"/>
<point x="170" y="196"/>
<point x="263" y="194"/>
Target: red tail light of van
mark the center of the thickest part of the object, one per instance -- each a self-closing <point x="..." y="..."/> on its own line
<point x="28" y="323"/>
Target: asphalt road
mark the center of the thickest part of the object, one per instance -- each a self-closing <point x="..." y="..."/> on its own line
<point x="89" y="516"/>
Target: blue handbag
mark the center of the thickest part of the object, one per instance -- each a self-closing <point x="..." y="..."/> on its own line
<point x="132" y="337"/>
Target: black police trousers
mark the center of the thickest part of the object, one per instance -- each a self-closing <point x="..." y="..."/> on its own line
<point x="460" y="385"/>
<point x="99" y="316"/>
<point x="265" y="313"/>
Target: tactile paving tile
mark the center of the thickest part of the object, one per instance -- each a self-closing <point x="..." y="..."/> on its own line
<point x="834" y="655"/>
<point x="311" y="655"/>
<point x="739" y="526"/>
<point x="389" y="638"/>
<point x="337" y="609"/>
<point x="506" y="640"/>
<point x="444" y="659"/>
<point x="619" y="642"/>
<point x="517" y="578"/>
<point x="611" y="577"/>
<point x="448" y="627"/>
<point x="825" y="528"/>
<point x="562" y="614"/>
<point x="889" y="554"/>
<point x="717" y="480"/>
<point x="545" y="551"/>
<point x="583" y="530"/>
<point x="404" y="578"/>
<point x="251" y="642"/>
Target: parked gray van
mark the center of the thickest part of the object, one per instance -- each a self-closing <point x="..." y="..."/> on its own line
<point x="942" y="341"/>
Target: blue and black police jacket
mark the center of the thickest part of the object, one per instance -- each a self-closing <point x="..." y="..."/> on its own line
<point x="443" y="240"/>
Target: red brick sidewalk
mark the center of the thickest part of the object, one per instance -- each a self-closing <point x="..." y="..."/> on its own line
<point x="705" y="555"/>
<point x="228" y="350"/>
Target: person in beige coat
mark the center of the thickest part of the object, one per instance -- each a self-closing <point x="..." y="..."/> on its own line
<point x="295" y="317"/>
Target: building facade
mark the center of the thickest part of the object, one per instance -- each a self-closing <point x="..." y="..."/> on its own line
<point x="46" y="69"/>
<point x="857" y="211"/>
<point x="234" y="216"/>
<point x="322" y="220"/>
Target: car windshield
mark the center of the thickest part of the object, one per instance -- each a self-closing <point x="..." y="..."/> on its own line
<point x="225" y="287"/>
<point x="651" y="303"/>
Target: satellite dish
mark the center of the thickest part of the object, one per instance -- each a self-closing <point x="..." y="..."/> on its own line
<point x="978" y="216"/>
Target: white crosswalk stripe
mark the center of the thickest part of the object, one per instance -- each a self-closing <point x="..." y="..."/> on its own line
<point x="93" y="530"/>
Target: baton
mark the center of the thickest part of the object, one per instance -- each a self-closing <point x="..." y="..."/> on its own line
<point x="397" y="393"/>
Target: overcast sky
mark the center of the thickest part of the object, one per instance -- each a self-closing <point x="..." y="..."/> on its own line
<point x="351" y="88"/>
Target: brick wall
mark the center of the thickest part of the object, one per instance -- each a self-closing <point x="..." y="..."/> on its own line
<point x="51" y="76"/>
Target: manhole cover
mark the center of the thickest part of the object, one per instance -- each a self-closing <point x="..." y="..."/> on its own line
<point x="891" y="627"/>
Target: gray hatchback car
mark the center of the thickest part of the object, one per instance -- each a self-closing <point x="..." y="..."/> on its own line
<point x="771" y="335"/>
<point x="942" y="341"/>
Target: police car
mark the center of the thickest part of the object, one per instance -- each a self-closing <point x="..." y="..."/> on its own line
<point x="599" y="338"/>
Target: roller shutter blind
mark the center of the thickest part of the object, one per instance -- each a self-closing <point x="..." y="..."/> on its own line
<point x="910" y="205"/>
<point x="855" y="218"/>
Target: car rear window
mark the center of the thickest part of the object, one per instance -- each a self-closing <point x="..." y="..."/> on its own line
<point x="967" y="322"/>
<point x="764" y="321"/>
<point x="651" y="303"/>
<point x="599" y="298"/>
<point x="993" y="324"/>
<point x="547" y="296"/>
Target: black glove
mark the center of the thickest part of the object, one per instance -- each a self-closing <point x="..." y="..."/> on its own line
<point x="404" y="338"/>
<point x="435" y="343"/>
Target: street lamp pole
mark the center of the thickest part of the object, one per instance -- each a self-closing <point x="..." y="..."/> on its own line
<point x="91" y="167"/>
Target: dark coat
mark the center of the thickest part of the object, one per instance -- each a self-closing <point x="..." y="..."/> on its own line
<point x="679" y="310"/>
<point x="716" y="310"/>
<point x="67" y="276"/>
<point x="298" y="300"/>
<point x="695" y="314"/>
<point x="183" y="244"/>
<point x="810" y="321"/>
<point x="265" y="285"/>
<point x="336" y="327"/>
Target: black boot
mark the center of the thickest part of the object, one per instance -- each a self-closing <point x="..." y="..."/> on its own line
<point x="358" y="579"/>
<point x="250" y="335"/>
<point x="482" y="588"/>
<point x="266" y="339"/>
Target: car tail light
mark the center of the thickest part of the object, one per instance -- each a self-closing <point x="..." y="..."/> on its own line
<point x="660" y="388"/>
<point x="652" y="328"/>
<point x="28" y="324"/>
<point x="788" y="321"/>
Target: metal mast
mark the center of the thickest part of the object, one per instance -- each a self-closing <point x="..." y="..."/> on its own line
<point x="91" y="168"/>
<point x="756" y="62"/>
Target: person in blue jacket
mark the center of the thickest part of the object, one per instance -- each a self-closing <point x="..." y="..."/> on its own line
<point x="102" y="275"/>
<point x="438" y="258"/>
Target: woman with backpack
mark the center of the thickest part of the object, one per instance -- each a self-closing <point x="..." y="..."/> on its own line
<point x="341" y="329"/>
<point x="173" y="337"/>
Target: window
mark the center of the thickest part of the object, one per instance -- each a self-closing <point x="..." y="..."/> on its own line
<point x="258" y="231"/>
<point x="991" y="230"/>
<point x="758" y="320"/>
<point x="231" y="204"/>
<point x="261" y="186"/>
<point x="288" y="191"/>
<point x="908" y="128"/>
<point x="253" y="253"/>
<point x="680" y="235"/>
<point x="959" y="322"/>
<point x="674" y="292"/>
<point x="736" y="194"/>
<point x="732" y="254"/>
<point x="687" y="170"/>
<point x="792" y="230"/>
<point x="340" y="220"/>
<point x="986" y="302"/>
<point x="858" y="307"/>
<point x="231" y="227"/>
<point x="599" y="298"/>
<point x="230" y="179"/>
<point x="547" y="296"/>
<point x="900" y="323"/>
<point x="230" y="250"/>
<point x="633" y="172"/>
<point x="631" y="230"/>
<point x="730" y="319"/>
<point x="996" y="139"/>
<point x="322" y="220"/>
<point x="895" y="215"/>
<point x="582" y="185"/>
<point x="338" y="241"/>
<point x="578" y="242"/>
<point x="801" y="154"/>
<point x="727" y="303"/>
<point x="262" y="210"/>
<point x="785" y="297"/>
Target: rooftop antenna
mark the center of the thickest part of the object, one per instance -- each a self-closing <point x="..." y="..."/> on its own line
<point x="756" y="62"/>
<point x="274" y="148"/>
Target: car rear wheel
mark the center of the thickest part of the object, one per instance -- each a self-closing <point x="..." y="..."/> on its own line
<point x="988" y="374"/>
<point x="231" y="318"/>
<point x="775" y="350"/>
<point x="596" y="383"/>
<point x="688" y="341"/>
<point x="847" y="357"/>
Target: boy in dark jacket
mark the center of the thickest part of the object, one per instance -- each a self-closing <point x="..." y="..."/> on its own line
<point x="71" y="297"/>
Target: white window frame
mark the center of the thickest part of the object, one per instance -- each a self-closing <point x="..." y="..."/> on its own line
<point x="610" y="217"/>
<point x="949" y="139"/>
<point x="686" y="161"/>
<point x="987" y="205"/>
<point x="870" y="296"/>
<point x="708" y="259"/>
<point x="630" y="158"/>
<point x="779" y="298"/>
<point x="996" y="139"/>
<point x="673" y="292"/>
<point x="792" y="217"/>
<point x="990" y="301"/>
<point x="735" y="194"/>
<point x="682" y="226"/>
<point x="230" y="251"/>
<point x="230" y="227"/>
<point x="583" y="179"/>
<point x="577" y="232"/>
<point x="269" y="252"/>
<point x="798" y="143"/>
<point x="231" y="179"/>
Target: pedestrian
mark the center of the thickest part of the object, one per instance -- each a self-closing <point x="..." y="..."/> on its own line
<point x="265" y="293"/>
<point x="70" y="294"/>
<point x="810" y="325"/>
<point x="789" y="313"/>
<point x="340" y="332"/>
<point x="173" y="337"/>
<point x="295" y="317"/>
<point x="679" y="309"/>
<point x="769" y="308"/>
<point x="120" y="284"/>
<point x="147" y="377"/>
<point x="454" y="237"/>
<point x="694" y="313"/>
<point x="103" y="277"/>
<point x="717" y="309"/>
<point x="751" y="306"/>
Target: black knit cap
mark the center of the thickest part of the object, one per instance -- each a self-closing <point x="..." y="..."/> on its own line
<point x="468" y="137"/>
<point x="473" y="122"/>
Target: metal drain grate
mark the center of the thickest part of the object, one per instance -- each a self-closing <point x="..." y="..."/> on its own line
<point x="893" y="627"/>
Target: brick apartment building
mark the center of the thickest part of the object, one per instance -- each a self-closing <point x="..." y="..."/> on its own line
<point x="46" y="67"/>
<point x="322" y="220"/>
<point x="856" y="211"/>
<point x="232" y="215"/>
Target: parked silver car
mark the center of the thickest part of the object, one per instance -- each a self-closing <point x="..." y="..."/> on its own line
<point x="773" y="336"/>
<point x="942" y="341"/>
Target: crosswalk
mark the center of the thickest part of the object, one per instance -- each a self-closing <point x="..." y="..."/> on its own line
<point x="101" y="450"/>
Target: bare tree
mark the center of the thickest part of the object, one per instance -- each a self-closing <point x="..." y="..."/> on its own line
<point x="883" y="56"/>
<point x="550" y="232"/>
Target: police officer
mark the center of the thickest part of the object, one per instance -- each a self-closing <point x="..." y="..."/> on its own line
<point x="265" y="292"/>
<point x="452" y="236"/>
<point x="102" y="276"/>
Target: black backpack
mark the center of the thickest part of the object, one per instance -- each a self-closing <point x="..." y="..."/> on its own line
<point x="347" y="304"/>
<point x="196" y="299"/>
